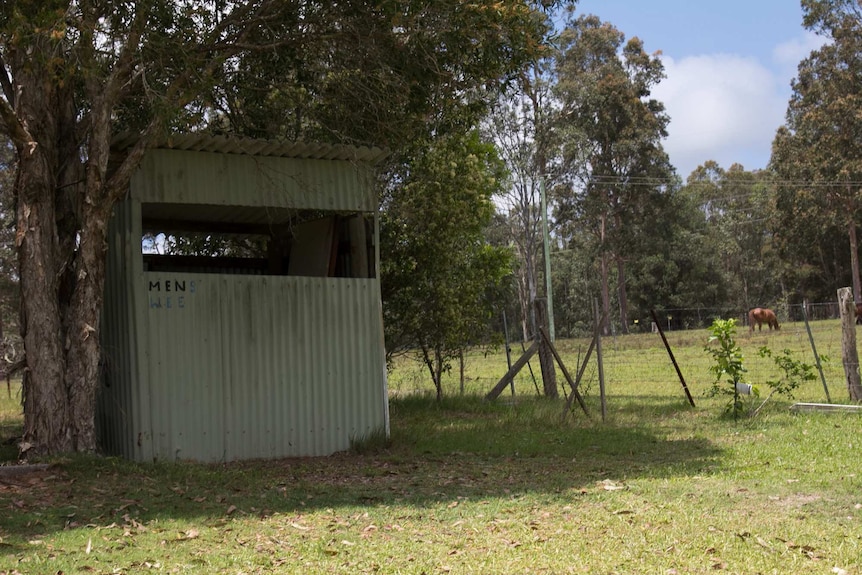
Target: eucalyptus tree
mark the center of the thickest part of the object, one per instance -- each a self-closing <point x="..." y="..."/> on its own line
<point x="612" y="132"/>
<point x="67" y="71"/>
<point x="519" y="124"/>
<point x="74" y="73"/>
<point x="677" y="271"/>
<point x="441" y="280"/>
<point x="816" y="155"/>
<point x="738" y="206"/>
<point x="810" y="236"/>
<point x="381" y="73"/>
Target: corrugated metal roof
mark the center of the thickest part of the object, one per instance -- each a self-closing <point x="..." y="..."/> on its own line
<point x="257" y="147"/>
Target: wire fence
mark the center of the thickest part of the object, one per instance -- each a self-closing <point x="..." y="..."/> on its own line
<point x="638" y="363"/>
<point x="674" y="319"/>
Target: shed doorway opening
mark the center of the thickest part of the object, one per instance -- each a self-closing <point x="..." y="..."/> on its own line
<point x="257" y="241"/>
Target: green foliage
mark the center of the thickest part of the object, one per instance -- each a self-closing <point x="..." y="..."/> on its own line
<point x="728" y="367"/>
<point x="793" y="372"/>
<point x="817" y="158"/>
<point x="440" y="279"/>
<point x="610" y="137"/>
<point x="381" y="73"/>
<point x="738" y="209"/>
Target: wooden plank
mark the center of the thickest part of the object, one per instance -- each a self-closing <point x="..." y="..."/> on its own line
<point x="578" y="378"/>
<point x="565" y="371"/>
<point x="510" y="375"/>
<point x="826" y="407"/>
<point x="672" y="358"/>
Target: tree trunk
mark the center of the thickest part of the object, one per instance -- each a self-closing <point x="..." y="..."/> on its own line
<point x="461" y="369"/>
<point x="62" y="239"/>
<point x="524" y="301"/>
<point x="604" y="276"/>
<point x="45" y="226"/>
<point x="624" y="304"/>
<point x="529" y="312"/>
<point x="606" y="295"/>
<point x="854" y="260"/>
<point x="546" y="357"/>
<point x="435" y="368"/>
<point x="46" y="410"/>
<point x="83" y="340"/>
<point x="61" y="337"/>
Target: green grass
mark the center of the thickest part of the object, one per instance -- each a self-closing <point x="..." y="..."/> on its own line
<point x="11" y="420"/>
<point x="468" y="486"/>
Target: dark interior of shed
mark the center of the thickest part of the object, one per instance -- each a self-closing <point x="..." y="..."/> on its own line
<point x="256" y="241"/>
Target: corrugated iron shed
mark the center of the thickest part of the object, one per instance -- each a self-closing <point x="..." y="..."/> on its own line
<point x="225" y="366"/>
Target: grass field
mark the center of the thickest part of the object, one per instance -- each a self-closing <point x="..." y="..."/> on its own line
<point x="468" y="486"/>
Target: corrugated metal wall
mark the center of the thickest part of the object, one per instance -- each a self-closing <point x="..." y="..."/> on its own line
<point x="246" y="367"/>
<point x="182" y="177"/>
<point x="214" y="367"/>
<point x="114" y="421"/>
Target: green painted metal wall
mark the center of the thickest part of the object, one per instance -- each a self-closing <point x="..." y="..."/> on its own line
<point x="190" y="177"/>
<point x="213" y="367"/>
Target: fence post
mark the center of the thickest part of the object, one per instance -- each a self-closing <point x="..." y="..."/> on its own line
<point x="814" y="349"/>
<point x="849" y="354"/>
<point x="599" y="358"/>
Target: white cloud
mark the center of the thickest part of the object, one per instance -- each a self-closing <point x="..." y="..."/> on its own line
<point x="722" y="107"/>
<point x="788" y="54"/>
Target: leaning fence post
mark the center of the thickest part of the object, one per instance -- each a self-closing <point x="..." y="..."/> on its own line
<point x="814" y="349"/>
<point x="672" y="358"/>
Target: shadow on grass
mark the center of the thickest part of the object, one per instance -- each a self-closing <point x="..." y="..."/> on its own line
<point x="438" y="454"/>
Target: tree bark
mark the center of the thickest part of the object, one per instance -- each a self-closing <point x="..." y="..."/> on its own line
<point x="529" y="316"/>
<point x="46" y="410"/>
<point x="45" y="239"/>
<point x="624" y="304"/>
<point x="546" y="358"/>
<point x="604" y="274"/>
<point x="854" y="260"/>
<point x="83" y="341"/>
<point x="606" y="295"/>
<point x="435" y="368"/>
<point x="63" y="206"/>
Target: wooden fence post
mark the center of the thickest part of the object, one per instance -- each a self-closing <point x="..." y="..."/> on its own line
<point x="849" y="354"/>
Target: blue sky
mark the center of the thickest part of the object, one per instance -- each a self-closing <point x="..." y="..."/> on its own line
<point x="728" y="64"/>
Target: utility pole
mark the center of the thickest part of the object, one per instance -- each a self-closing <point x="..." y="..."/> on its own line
<point x="547" y="247"/>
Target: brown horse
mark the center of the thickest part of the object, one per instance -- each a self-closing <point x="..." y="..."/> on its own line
<point x="859" y="313"/>
<point x="760" y="316"/>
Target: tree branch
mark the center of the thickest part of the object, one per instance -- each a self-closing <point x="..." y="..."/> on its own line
<point x="17" y="131"/>
<point x="6" y="83"/>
